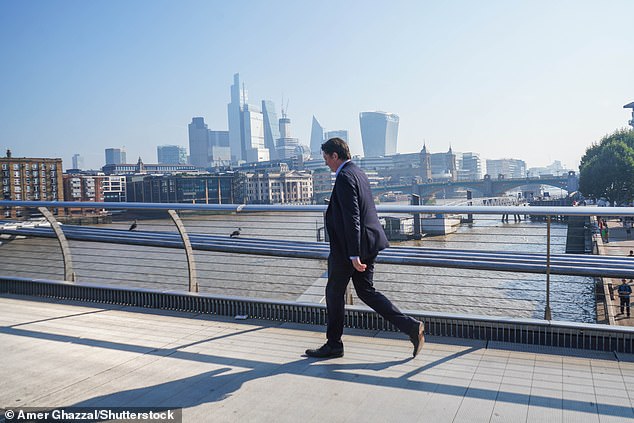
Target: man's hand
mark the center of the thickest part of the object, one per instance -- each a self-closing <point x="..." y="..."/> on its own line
<point x="356" y="263"/>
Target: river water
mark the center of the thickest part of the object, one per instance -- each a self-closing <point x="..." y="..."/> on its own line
<point x="410" y="287"/>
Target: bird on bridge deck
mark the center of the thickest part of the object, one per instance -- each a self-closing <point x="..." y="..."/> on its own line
<point x="133" y="225"/>
<point x="235" y="233"/>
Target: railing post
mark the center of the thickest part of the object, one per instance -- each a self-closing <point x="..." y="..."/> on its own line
<point x="547" y="311"/>
<point x="69" y="274"/>
<point x="191" y="265"/>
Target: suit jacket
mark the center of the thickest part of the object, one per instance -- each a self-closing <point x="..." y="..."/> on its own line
<point x="351" y="219"/>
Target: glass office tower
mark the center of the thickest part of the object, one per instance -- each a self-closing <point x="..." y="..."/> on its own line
<point x="379" y="132"/>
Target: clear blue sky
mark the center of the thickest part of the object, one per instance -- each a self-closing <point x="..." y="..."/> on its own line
<point x="535" y="80"/>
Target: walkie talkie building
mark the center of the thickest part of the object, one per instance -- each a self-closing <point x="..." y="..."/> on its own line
<point x="379" y="131"/>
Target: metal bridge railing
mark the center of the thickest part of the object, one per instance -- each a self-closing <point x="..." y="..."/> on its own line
<point x="488" y="269"/>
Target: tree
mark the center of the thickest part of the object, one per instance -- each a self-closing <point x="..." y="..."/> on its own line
<point x="607" y="168"/>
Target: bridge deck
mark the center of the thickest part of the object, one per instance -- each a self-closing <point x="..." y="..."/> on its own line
<point x="70" y="354"/>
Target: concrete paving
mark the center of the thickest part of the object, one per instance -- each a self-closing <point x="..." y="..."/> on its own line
<point x="223" y="370"/>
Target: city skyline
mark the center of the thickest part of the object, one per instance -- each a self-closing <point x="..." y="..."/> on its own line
<point x="532" y="81"/>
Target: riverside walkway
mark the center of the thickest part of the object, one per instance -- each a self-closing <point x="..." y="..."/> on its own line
<point x="620" y="244"/>
<point x="61" y="353"/>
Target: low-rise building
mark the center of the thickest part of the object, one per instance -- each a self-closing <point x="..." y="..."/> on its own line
<point x="218" y="188"/>
<point x="29" y="179"/>
<point x="290" y="187"/>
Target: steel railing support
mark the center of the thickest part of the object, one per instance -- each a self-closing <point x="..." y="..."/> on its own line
<point x="69" y="274"/>
<point x="189" y="251"/>
<point x="547" y="311"/>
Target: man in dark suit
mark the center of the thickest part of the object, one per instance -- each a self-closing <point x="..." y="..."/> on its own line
<point x="356" y="237"/>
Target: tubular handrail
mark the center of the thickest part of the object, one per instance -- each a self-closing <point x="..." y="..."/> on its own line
<point x="243" y="208"/>
<point x="562" y="264"/>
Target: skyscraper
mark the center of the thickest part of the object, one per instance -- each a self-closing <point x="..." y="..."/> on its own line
<point x="115" y="156"/>
<point x="286" y="145"/>
<point x="253" y="133"/>
<point x="198" y="142"/>
<point x="246" y="127"/>
<point x="234" y="114"/>
<point x="316" y="139"/>
<point x="207" y="148"/>
<point x="271" y="129"/>
<point x="78" y="161"/>
<point x="379" y="132"/>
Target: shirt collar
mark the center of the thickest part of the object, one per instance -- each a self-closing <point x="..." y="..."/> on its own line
<point x="340" y="166"/>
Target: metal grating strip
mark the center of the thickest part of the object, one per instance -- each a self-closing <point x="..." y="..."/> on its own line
<point x="588" y="337"/>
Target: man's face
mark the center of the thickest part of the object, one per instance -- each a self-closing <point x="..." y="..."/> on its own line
<point x="332" y="160"/>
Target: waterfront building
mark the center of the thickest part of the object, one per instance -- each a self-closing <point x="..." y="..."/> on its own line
<point x="506" y="168"/>
<point x="78" y="187"/>
<point x="83" y="187"/>
<point x="379" y="133"/>
<point x="115" y="156"/>
<point x="171" y="154"/>
<point x="271" y="127"/>
<point x="78" y="161"/>
<point x="216" y="188"/>
<point x="29" y="179"/>
<point x="285" y="187"/>
<point x="207" y="148"/>
<point x="114" y="188"/>
<point x="316" y="139"/>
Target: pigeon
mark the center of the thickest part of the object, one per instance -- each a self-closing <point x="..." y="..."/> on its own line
<point x="235" y="233"/>
<point x="133" y="226"/>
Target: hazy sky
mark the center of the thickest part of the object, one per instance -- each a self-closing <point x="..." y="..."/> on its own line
<point x="534" y="80"/>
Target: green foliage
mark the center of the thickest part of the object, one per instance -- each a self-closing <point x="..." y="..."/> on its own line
<point x="607" y="168"/>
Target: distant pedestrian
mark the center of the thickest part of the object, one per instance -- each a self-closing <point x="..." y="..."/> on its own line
<point x="625" y="291"/>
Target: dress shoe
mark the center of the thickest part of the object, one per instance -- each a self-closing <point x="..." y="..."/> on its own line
<point x="417" y="337"/>
<point x="325" y="351"/>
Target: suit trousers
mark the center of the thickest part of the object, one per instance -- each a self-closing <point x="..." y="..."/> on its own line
<point x="339" y="274"/>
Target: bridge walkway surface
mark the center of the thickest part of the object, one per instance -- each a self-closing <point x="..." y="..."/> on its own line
<point x="62" y="353"/>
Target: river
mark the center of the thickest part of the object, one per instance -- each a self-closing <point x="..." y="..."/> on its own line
<point x="410" y="287"/>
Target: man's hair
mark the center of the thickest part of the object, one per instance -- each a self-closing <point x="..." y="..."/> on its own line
<point x="336" y="145"/>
